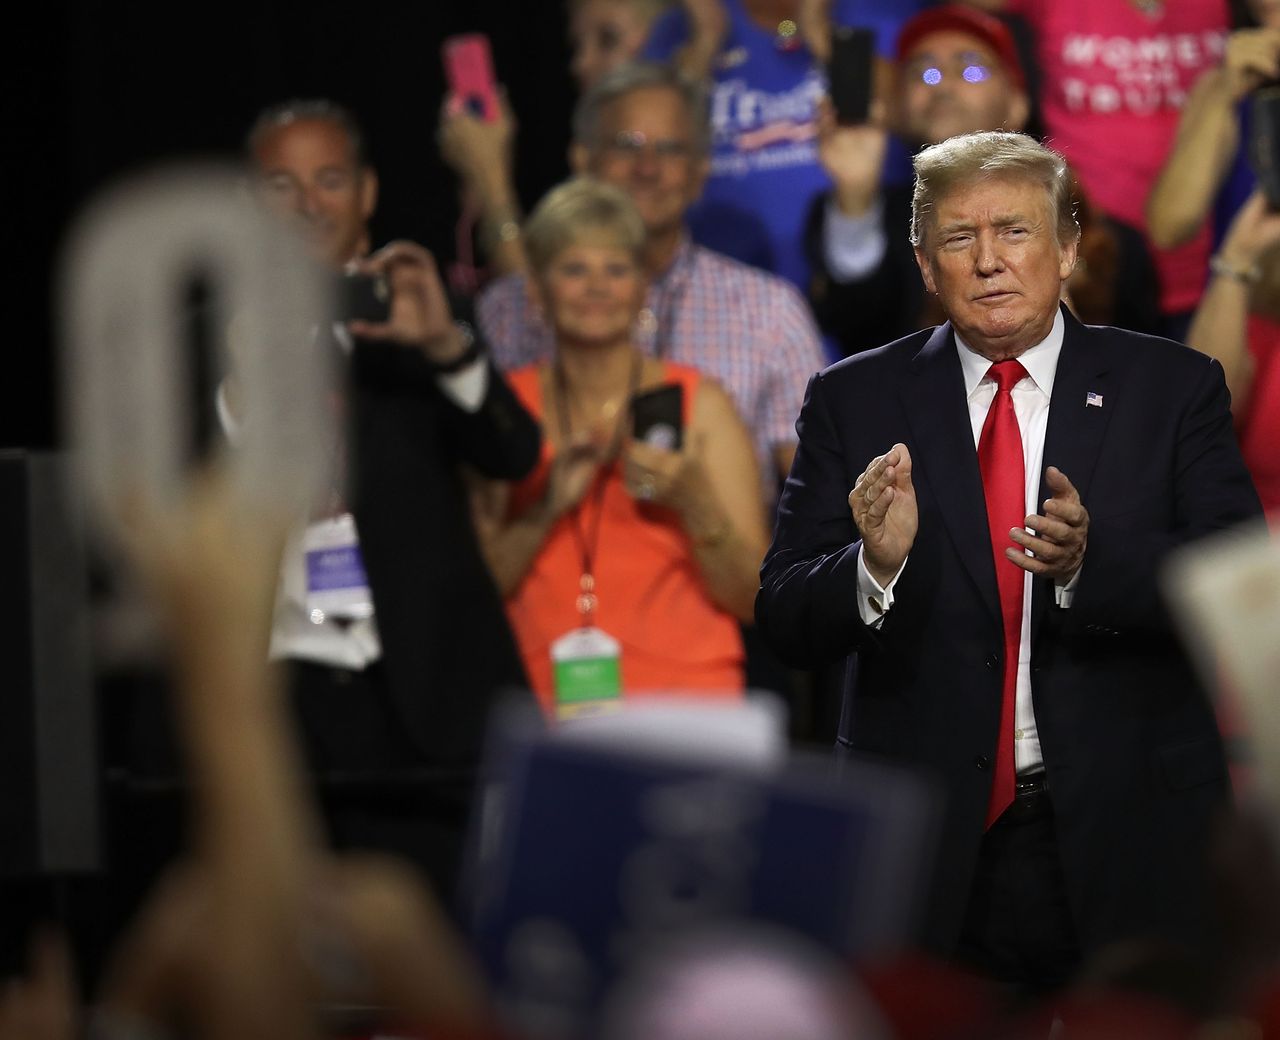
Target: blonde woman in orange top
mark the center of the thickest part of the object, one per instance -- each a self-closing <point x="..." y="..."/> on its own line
<point x="626" y="565"/>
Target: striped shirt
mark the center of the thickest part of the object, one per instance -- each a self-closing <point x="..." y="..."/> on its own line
<point x="749" y="330"/>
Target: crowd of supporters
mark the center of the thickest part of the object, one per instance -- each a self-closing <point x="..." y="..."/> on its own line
<point x="724" y="236"/>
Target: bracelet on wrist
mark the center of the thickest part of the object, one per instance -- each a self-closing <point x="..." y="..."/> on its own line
<point x="502" y="228"/>
<point x="471" y="352"/>
<point x="507" y="231"/>
<point x="1223" y="267"/>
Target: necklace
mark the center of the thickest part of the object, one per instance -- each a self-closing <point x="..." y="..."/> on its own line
<point x="613" y="410"/>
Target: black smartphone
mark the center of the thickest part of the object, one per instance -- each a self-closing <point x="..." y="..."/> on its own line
<point x="363" y="297"/>
<point x="850" y="73"/>
<point x="657" y="416"/>
<point x="1264" y="142"/>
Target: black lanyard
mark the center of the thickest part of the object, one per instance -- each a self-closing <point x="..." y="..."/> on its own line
<point x="589" y="543"/>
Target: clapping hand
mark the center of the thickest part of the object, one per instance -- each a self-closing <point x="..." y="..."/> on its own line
<point x="573" y="470"/>
<point x="661" y="477"/>
<point x="1061" y="534"/>
<point x="883" y="503"/>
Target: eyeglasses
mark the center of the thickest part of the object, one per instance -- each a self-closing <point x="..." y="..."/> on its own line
<point x="966" y="67"/>
<point x="631" y="144"/>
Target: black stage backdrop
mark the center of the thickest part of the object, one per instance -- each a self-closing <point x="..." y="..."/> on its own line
<point x="92" y="92"/>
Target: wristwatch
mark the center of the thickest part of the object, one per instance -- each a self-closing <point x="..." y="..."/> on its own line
<point x="471" y="353"/>
<point x="1218" y="264"/>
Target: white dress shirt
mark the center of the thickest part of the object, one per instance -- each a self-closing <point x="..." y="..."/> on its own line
<point x="853" y="246"/>
<point x="1031" y="396"/>
<point x="295" y="631"/>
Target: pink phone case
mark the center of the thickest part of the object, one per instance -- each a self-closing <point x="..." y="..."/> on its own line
<point x="468" y="66"/>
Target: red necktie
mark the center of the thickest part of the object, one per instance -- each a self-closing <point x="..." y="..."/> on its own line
<point x="1004" y="485"/>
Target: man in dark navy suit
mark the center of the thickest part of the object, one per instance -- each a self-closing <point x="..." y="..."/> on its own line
<point x="979" y="513"/>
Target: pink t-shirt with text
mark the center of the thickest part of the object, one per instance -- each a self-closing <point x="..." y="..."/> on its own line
<point x="1114" y="80"/>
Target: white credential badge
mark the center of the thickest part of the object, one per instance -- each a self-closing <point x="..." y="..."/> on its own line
<point x="586" y="668"/>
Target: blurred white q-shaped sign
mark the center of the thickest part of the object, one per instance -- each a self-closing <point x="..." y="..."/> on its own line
<point x="128" y="373"/>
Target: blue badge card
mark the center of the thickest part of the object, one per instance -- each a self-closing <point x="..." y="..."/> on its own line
<point x="337" y="585"/>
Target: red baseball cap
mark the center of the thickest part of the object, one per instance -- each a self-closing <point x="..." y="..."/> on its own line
<point x="954" y="18"/>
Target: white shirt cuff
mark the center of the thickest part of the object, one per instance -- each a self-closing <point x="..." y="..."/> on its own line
<point x="231" y="426"/>
<point x="853" y="246"/>
<point x="874" y="601"/>
<point x="467" y="386"/>
<point x="1062" y="594"/>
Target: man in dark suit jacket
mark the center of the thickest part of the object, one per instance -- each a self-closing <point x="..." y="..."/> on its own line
<point x="393" y="706"/>
<point x="1080" y="762"/>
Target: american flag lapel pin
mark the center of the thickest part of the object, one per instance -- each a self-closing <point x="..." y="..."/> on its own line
<point x="1092" y="400"/>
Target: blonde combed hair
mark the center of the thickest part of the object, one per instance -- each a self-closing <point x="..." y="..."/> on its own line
<point x="582" y="210"/>
<point x="992" y="154"/>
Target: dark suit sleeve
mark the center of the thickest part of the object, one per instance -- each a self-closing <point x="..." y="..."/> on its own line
<point x="1132" y="534"/>
<point x="877" y="308"/>
<point x="500" y="439"/>
<point x="807" y="606"/>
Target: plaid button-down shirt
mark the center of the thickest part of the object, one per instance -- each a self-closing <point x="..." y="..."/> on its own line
<point x="749" y="330"/>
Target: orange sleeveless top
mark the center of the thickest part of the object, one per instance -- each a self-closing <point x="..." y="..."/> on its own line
<point x="650" y="593"/>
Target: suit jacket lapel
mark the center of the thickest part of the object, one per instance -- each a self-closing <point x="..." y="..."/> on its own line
<point x="944" y="459"/>
<point x="1082" y="404"/>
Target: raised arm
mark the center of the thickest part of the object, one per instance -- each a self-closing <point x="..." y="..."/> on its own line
<point x="1208" y="137"/>
<point x="492" y="431"/>
<point x="1220" y="325"/>
<point x="220" y="945"/>
<point x="481" y="154"/>
<point x="708" y="23"/>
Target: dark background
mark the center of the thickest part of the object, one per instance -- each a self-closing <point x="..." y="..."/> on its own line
<point x="93" y="92"/>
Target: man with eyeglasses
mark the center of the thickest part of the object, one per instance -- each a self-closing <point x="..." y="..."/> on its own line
<point x="957" y="72"/>
<point x="644" y="129"/>
<point x="394" y="638"/>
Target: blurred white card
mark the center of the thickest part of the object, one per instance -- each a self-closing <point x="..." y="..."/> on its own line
<point x="1226" y="594"/>
<point x="747" y="733"/>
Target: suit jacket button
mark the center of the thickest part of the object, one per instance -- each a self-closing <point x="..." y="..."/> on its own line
<point x="982" y="762"/>
<point x="993" y="660"/>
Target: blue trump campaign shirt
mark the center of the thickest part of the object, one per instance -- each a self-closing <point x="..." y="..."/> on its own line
<point x="764" y="158"/>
